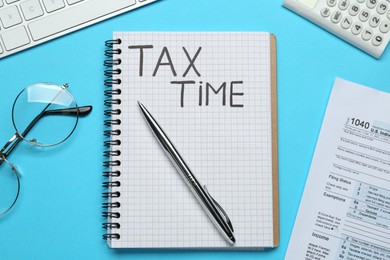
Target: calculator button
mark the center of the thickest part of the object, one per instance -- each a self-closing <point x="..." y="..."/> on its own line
<point x="331" y="3"/>
<point x="346" y="22"/>
<point x="357" y="28"/>
<point x="374" y="20"/>
<point x="53" y="5"/>
<point x="336" y="17"/>
<point x="354" y="9"/>
<point x="377" y="40"/>
<point x="364" y="15"/>
<point x="70" y="2"/>
<point x="388" y="14"/>
<point x="361" y="1"/>
<point x="371" y="3"/>
<point x="325" y="12"/>
<point x="343" y="4"/>
<point x="367" y="34"/>
<point x="385" y="26"/>
<point x="382" y="7"/>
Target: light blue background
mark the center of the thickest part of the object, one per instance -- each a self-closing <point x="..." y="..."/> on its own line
<point x="58" y="215"/>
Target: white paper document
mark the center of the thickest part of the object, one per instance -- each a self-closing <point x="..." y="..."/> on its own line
<point x="345" y="208"/>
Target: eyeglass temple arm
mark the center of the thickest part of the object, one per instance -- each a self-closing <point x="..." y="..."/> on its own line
<point x="81" y="111"/>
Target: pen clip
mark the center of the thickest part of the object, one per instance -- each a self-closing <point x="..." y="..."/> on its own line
<point x="221" y="210"/>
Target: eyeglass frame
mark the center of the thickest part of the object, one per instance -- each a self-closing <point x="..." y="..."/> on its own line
<point x="17" y="137"/>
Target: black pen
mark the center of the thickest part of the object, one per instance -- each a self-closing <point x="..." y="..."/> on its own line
<point x="215" y="212"/>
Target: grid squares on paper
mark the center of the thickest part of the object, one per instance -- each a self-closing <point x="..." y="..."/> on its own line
<point x="228" y="148"/>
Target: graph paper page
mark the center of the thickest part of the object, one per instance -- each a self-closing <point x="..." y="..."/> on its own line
<point x="211" y="93"/>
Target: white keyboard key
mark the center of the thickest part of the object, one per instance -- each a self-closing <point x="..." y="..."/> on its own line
<point x="15" y="38"/>
<point x="377" y="40"/>
<point x="361" y="1"/>
<point x="385" y="26"/>
<point x="81" y="13"/>
<point x="1" y="3"/>
<point x="10" y="16"/>
<point x="11" y="1"/>
<point x="31" y="9"/>
<point x="371" y="3"/>
<point x="1" y="49"/>
<point x="367" y="34"/>
<point x="388" y="15"/>
<point x="53" y="5"/>
<point x="70" y="2"/>
<point x="382" y="7"/>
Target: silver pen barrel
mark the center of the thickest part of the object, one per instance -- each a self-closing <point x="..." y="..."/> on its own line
<point x="213" y="210"/>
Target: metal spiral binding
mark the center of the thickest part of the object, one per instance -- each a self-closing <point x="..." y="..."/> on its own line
<point x="112" y="134"/>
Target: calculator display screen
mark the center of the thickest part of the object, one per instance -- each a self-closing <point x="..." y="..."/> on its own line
<point x="309" y="3"/>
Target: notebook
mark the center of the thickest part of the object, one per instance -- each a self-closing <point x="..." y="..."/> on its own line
<point x="214" y="94"/>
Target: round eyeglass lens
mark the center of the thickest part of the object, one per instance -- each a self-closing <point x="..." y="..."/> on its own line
<point x="45" y="114"/>
<point x="9" y="186"/>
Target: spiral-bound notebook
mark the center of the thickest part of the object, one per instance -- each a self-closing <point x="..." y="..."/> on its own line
<point x="214" y="94"/>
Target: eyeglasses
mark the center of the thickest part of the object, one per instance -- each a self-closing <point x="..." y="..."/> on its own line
<point x="43" y="114"/>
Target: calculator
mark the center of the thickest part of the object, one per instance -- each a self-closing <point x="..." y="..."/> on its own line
<point x="363" y="23"/>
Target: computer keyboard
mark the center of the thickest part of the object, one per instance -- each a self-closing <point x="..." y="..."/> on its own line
<point x="26" y="23"/>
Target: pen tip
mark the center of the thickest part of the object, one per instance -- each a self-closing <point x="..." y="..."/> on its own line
<point x="140" y="105"/>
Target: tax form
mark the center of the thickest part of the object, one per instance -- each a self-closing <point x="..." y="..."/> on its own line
<point x="345" y="208"/>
